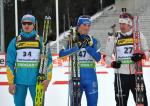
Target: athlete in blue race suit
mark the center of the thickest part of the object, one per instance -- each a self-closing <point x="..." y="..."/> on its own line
<point x="23" y="57"/>
<point x="87" y="57"/>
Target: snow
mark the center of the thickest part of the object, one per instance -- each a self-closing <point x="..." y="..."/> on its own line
<point x="57" y="95"/>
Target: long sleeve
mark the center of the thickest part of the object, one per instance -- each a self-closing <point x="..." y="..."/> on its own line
<point x="11" y="59"/>
<point x="49" y="64"/>
<point x="109" y="49"/>
<point x="67" y="51"/>
<point x="94" y="51"/>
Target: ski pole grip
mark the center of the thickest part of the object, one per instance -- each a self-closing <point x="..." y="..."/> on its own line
<point x="84" y="42"/>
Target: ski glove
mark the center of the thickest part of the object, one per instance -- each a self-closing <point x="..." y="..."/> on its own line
<point x="93" y="52"/>
<point x="84" y="43"/>
<point x="138" y="56"/>
<point x="116" y="64"/>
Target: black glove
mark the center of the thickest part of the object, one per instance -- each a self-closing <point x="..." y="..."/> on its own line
<point x="116" y="64"/>
<point x="85" y="42"/>
<point x="137" y="57"/>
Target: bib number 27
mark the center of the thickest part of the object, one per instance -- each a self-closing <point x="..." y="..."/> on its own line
<point x="128" y="50"/>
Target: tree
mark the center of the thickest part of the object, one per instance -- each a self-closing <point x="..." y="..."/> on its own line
<point x="72" y="9"/>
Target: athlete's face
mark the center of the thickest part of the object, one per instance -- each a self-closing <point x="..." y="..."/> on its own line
<point x="125" y="27"/>
<point x="27" y="26"/>
<point x="84" y="29"/>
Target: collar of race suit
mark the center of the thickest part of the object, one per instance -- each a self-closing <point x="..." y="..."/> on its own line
<point x="82" y="36"/>
<point x="127" y="33"/>
<point x="28" y="35"/>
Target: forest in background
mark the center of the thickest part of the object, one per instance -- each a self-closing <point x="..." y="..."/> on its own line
<point x="69" y="11"/>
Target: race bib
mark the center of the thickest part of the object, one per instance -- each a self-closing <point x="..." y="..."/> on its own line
<point x="85" y="59"/>
<point x="84" y="55"/>
<point x="28" y="58"/>
<point x="124" y="53"/>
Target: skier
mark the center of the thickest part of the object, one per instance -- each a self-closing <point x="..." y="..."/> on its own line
<point x="87" y="57"/>
<point x="122" y="46"/>
<point x="23" y="56"/>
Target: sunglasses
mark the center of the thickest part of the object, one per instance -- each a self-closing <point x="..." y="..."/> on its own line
<point x="27" y="23"/>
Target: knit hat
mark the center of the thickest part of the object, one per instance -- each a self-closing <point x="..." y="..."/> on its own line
<point x="28" y="17"/>
<point x="84" y="19"/>
<point x="126" y="18"/>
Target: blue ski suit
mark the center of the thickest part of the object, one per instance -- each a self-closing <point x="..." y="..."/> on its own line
<point x="23" y="58"/>
<point x="88" y="78"/>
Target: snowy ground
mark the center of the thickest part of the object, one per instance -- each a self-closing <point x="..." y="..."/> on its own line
<point x="57" y="94"/>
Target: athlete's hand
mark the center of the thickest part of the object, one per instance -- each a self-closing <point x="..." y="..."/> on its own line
<point x="116" y="64"/>
<point x="12" y="89"/>
<point x="85" y="42"/>
<point x="45" y="83"/>
<point x="138" y="56"/>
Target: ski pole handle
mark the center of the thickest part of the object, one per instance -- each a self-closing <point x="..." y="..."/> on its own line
<point x="85" y="42"/>
<point x="113" y="29"/>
